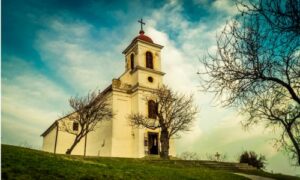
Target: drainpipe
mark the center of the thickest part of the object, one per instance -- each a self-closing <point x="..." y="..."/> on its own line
<point x="56" y="135"/>
<point x="85" y="145"/>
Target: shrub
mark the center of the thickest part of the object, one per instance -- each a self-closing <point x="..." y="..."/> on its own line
<point x="253" y="159"/>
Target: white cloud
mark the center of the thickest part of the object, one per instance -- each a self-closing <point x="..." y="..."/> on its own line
<point x="30" y="102"/>
<point x="84" y="62"/>
<point x="226" y="5"/>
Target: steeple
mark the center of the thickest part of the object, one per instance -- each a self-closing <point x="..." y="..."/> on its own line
<point x="143" y="55"/>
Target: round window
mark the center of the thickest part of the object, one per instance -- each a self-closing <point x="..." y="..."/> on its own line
<point x="150" y="79"/>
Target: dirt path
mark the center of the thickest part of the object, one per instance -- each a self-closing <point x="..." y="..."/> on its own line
<point x="254" y="177"/>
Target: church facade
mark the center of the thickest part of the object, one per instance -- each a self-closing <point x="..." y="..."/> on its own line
<point x="127" y="94"/>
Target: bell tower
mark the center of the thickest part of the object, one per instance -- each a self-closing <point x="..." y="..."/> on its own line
<point x="143" y="61"/>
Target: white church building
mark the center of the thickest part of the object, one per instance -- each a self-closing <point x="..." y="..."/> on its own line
<point x="127" y="94"/>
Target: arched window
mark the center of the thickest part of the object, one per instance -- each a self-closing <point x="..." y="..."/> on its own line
<point x="152" y="109"/>
<point x="149" y="60"/>
<point x="132" y="61"/>
<point x="75" y="126"/>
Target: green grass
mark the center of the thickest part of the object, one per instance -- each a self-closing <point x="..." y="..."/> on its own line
<point x="23" y="163"/>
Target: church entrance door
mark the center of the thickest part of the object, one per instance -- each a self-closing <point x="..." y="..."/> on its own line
<point x="153" y="143"/>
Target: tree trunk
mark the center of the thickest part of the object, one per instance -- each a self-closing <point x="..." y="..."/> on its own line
<point x="164" y="141"/>
<point x="76" y="141"/>
<point x="295" y="144"/>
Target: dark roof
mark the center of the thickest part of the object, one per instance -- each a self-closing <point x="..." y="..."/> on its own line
<point x="143" y="37"/>
<point x="51" y="127"/>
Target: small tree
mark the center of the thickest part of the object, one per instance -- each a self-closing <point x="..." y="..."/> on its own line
<point x="175" y="113"/>
<point x="253" y="159"/>
<point x="88" y="112"/>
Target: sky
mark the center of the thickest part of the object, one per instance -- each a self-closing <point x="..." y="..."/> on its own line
<point x="52" y="50"/>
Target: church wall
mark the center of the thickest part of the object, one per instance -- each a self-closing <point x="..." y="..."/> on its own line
<point x="122" y="138"/>
<point x="64" y="142"/>
<point x="143" y="109"/>
<point x="172" y="150"/>
<point x="142" y="49"/>
<point x="129" y="78"/>
<point x="132" y="50"/>
<point x="143" y="133"/>
<point x="139" y="52"/>
<point x="140" y="60"/>
<point x="134" y="78"/>
<point x="125" y="78"/>
<point x="99" y="141"/>
<point x="143" y="79"/>
<point x="49" y="141"/>
<point x="138" y="132"/>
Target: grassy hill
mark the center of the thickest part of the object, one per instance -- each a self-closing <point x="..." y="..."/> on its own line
<point x="23" y="163"/>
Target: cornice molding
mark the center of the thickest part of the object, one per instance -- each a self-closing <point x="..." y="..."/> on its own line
<point x="146" y="69"/>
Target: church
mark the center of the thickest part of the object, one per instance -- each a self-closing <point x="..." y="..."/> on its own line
<point x="127" y="94"/>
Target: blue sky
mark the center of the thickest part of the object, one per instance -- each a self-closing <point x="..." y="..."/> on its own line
<point x="52" y="50"/>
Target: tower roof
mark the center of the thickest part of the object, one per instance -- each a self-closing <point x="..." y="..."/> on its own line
<point x="143" y="37"/>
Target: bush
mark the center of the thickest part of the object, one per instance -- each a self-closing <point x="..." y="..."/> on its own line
<point x="253" y="159"/>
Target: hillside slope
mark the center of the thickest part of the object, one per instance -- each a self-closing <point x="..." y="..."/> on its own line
<point x="23" y="163"/>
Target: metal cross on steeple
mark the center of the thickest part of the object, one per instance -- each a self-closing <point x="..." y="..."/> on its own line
<point x="142" y="23"/>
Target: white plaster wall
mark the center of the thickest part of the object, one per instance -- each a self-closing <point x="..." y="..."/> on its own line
<point x="65" y="140"/>
<point x="172" y="150"/>
<point x="49" y="141"/>
<point x="95" y="139"/>
<point x="125" y="78"/>
<point x="143" y="79"/>
<point x="132" y="50"/>
<point x="134" y="110"/>
<point x="143" y="109"/>
<point x="99" y="141"/>
<point x="142" y="49"/>
<point x="141" y="76"/>
<point x="129" y="78"/>
<point x="122" y="137"/>
<point x="140" y="55"/>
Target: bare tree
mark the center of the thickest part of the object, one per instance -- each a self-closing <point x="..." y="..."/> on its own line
<point x="190" y="156"/>
<point x="174" y="113"/>
<point x="281" y="15"/>
<point x="89" y="111"/>
<point x="257" y="67"/>
<point x="216" y="157"/>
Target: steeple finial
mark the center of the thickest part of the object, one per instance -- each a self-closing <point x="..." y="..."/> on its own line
<point x="142" y="23"/>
